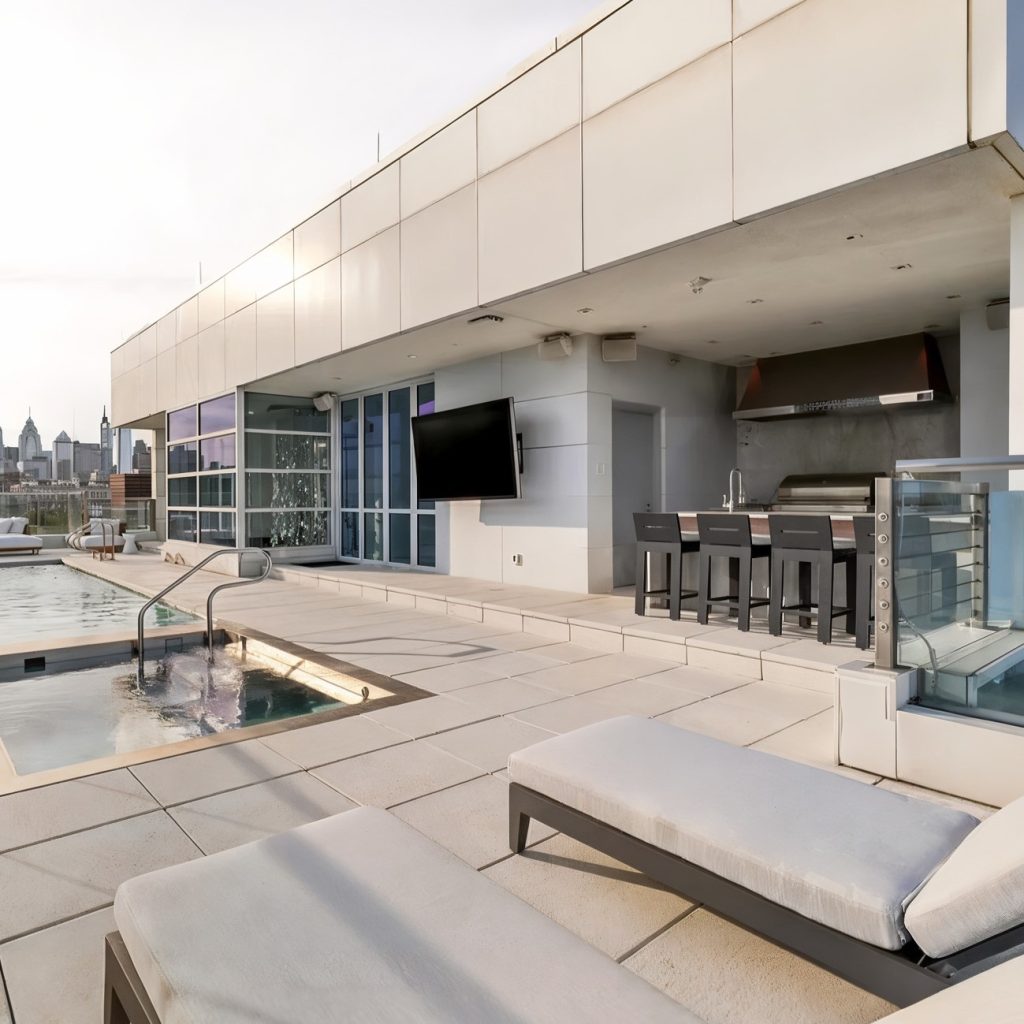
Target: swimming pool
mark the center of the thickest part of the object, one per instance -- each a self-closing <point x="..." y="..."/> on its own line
<point x="73" y="717"/>
<point x="58" y="601"/>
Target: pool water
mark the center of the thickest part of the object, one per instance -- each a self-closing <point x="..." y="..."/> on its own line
<point x="70" y="717"/>
<point x="58" y="601"/>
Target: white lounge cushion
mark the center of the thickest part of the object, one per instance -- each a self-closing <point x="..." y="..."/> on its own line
<point x="993" y="997"/>
<point x="97" y="540"/>
<point x="19" y="542"/>
<point x="5" y="525"/>
<point x="978" y="892"/>
<point x="19" y="524"/>
<point x="361" y="918"/>
<point x="840" y="852"/>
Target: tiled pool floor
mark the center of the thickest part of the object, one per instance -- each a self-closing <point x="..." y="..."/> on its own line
<point x="438" y="764"/>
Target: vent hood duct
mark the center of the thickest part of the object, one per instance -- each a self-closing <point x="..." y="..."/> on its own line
<point x="872" y="376"/>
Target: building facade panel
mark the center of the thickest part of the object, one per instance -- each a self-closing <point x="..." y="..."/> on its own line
<point x="166" y="381"/>
<point x="748" y="14"/>
<point x="807" y="117"/>
<point x="318" y="313"/>
<point x="371" y="290"/>
<point x="275" y="332"/>
<point x="187" y="322"/>
<point x="166" y="332"/>
<point x="439" y="258"/>
<point x="648" y="158"/>
<point x="210" y="305"/>
<point x="187" y="370"/>
<point x="440" y="166"/>
<point x="535" y="108"/>
<point x="318" y="239"/>
<point x="645" y="41"/>
<point x="370" y="208"/>
<point x="210" y="347"/>
<point x="240" y="347"/>
<point x="531" y="220"/>
<point x="147" y="344"/>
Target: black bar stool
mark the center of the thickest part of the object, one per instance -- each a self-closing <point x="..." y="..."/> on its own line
<point x="864" y="534"/>
<point x="728" y="536"/>
<point x="659" y="533"/>
<point x="807" y="541"/>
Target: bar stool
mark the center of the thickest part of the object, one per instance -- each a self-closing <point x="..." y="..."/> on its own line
<point x="728" y="536"/>
<point x="864" y="534"/>
<point x="659" y="533"/>
<point x="807" y="541"/>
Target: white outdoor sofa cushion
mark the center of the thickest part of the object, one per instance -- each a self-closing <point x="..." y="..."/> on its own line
<point x="978" y="892"/>
<point x="361" y="918"/>
<point x="19" y="542"/>
<point x="837" y="851"/>
<point x="5" y="525"/>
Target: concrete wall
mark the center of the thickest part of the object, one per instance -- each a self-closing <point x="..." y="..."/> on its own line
<point x="859" y="442"/>
<point x="1014" y="14"/>
<point x="563" y="525"/>
<point x="662" y="122"/>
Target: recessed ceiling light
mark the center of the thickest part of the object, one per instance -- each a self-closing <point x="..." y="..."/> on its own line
<point x="698" y="283"/>
<point x="816" y="323"/>
<point x="952" y="296"/>
<point x="854" y="236"/>
<point x="754" y="302"/>
<point x="585" y="309"/>
<point x="902" y="266"/>
<point x="410" y="356"/>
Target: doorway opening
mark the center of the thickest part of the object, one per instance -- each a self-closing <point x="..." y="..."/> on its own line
<point x="635" y="473"/>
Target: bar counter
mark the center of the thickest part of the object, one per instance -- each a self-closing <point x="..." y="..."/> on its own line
<point x="842" y="522"/>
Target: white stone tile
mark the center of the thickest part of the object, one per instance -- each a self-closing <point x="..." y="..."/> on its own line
<point x="452" y="677"/>
<point x="578" y="677"/>
<point x="697" y="680"/>
<point x="439" y="260"/>
<point x="547" y="628"/>
<point x="566" y="714"/>
<point x="471" y="820"/>
<point x="532" y="110"/>
<point x="823" y="681"/>
<point x="788" y="700"/>
<point x="174" y="780"/>
<point x="440" y="166"/>
<point x="568" y="652"/>
<point x="51" y="811"/>
<point x="632" y="205"/>
<point x="428" y="716"/>
<point x="394" y="775"/>
<point x="726" y="975"/>
<point x="311" y="745"/>
<point x="531" y="220"/>
<point x="648" y="647"/>
<point x="55" y="976"/>
<point x="607" y="904"/>
<point x="488" y="744"/>
<point x="645" y="41"/>
<point x="598" y="639"/>
<point x="371" y="290"/>
<point x="503" y="696"/>
<point x="640" y="697"/>
<point x="65" y="877"/>
<point x="244" y="815"/>
<point x="715" y="717"/>
<point x="724" y="664"/>
<point x="506" y="620"/>
<point x="519" y="661"/>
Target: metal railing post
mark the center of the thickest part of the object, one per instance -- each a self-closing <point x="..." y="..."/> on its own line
<point x="885" y="589"/>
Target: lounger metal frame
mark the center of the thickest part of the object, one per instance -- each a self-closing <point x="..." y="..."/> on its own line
<point x="902" y="977"/>
<point x="125" y="1000"/>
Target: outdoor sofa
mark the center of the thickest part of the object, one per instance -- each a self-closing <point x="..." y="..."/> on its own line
<point x="14" y="539"/>
<point x="898" y="895"/>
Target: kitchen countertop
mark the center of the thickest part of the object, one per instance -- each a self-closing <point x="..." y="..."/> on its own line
<point x="842" y="522"/>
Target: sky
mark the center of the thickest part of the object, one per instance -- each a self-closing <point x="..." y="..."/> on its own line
<point x="140" y="138"/>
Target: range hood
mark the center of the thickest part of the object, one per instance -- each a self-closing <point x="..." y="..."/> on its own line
<point x="873" y="376"/>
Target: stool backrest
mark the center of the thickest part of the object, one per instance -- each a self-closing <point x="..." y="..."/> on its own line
<point x="657" y="528"/>
<point x="804" y="533"/>
<point x="864" y="534"/>
<point x="729" y="529"/>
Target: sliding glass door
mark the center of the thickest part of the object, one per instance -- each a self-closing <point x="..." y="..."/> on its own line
<point x="381" y="519"/>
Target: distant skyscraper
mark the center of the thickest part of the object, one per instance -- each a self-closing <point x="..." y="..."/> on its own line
<point x="30" y="446"/>
<point x="62" y="458"/>
<point x="106" y="445"/>
<point x="124" y="450"/>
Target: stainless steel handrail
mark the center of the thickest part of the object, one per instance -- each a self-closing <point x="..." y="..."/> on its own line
<point x="209" y="600"/>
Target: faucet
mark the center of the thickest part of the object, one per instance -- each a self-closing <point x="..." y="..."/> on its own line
<point x="735" y="495"/>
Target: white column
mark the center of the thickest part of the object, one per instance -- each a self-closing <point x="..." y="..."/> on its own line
<point x="1006" y="554"/>
<point x="1015" y="378"/>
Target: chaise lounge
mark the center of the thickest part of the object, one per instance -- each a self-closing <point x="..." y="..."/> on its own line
<point x="99" y="536"/>
<point x="14" y="539"/>
<point x="900" y="896"/>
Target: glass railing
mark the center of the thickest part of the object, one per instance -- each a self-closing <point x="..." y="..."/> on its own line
<point x="60" y="512"/>
<point x="957" y="583"/>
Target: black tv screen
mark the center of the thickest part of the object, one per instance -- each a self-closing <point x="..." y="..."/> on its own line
<point x="467" y="453"/>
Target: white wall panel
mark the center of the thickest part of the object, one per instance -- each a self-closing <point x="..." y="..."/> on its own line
<point x="531" y="220"/>
<point x="268" y="270"/>
<point x="370" y="290"/>
<point x="187" y="371"/>
<point x="748" y="14"/>
<point x="560" y="420"/>
<point x="240" y="347"/>
<point x="130" y="354"/>
<point x="439" y="259"/>
<point x="275" y="332"/>
<point x="318" y="239"/>
<point x="211" y="360"/>
<point x="988" y="67"/>
<point x="658" y="166"/>
<point x="370" y="208"/>
<point x="211" y="305"/>
<point x="146" y="342"/>
<point x="535" y="108"/>
<point x="440" y="166"/>
<point x="646" y="40"/>
<point x="187" y="320"/>
<point x="166" y="332"/>
<point x="117" y="362"/>
<point x="147" y="403"/>
<point x="167" y="379"/>
<point x="834" y="92"/>
<point x="475" y="548"/>
<point x="318" y="313"/>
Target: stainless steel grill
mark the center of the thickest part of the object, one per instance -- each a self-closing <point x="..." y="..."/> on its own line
<point x="837" y="492"/>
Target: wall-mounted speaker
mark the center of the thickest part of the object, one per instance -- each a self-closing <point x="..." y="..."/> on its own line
<point x="324" y="402"/>
<point x="618" y="348"/>
<point x="997" y="315"/>
<point x="555" y="346"/>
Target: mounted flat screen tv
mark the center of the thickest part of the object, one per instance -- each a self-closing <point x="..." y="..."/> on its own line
<point x="468" y="453"/>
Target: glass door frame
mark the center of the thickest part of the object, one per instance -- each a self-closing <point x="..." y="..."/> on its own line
<point x="385" y="511"/>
